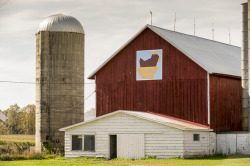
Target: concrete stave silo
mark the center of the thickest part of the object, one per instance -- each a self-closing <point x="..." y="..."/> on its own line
<point x="244" y="69"/>
<point x="59" y="78"/>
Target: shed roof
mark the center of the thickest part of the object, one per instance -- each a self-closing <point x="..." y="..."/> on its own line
<point x="212" y="56"/>
<point x="157" y="118"/>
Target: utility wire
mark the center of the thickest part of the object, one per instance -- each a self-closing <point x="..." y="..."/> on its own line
<point x="17" y="82"/>
<point x="20" y="82"/>
<point x="91" y="83"/>
<point x="174" y="20"/>
<point x="89" y="95"/>
<point x="229" y="36"/>
<point x="76" y="105"/>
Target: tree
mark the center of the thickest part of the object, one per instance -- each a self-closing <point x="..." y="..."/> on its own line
<point x="20" y="121"/>
<point x="28" y="116"/>
<point x="3" y="128"/>
<point x="13" y="119"/>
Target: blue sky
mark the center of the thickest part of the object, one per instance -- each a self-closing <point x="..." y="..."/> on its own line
<point x="108" y="24"/>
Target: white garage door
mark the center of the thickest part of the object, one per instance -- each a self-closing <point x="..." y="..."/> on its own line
<point x="130" y="146"/>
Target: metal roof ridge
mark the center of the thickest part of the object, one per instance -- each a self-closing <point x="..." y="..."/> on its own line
<point x="195" y="36"/>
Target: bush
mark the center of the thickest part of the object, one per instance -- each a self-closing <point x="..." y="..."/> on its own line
<point x="13" y="147"/>
<point x="49" y="149"/>
<point x="148" y="158"/>
<point x="21" y="143"/>
<point x="32" y="155"/>
<point x="216" y="156"/>
<point x="20" y="150"/>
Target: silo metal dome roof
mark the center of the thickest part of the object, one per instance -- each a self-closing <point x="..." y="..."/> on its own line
<point x="60" y="23"/>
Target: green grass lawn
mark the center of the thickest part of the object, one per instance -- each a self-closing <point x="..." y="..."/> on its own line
<point x="234" y="160"/>
<point x="18" y="137"/>
<point x="169" y="162"/>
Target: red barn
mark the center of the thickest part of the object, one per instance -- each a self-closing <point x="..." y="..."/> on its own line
<point x="199" y="80"/>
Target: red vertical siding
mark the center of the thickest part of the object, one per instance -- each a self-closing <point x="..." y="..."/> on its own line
<point x="225" y="103"/>
<point x="182" y="92"/>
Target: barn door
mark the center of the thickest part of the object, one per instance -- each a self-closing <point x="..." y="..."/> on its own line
<point x="130" y="146"/>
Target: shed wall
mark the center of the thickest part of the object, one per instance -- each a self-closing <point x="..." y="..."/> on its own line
<point x="205" y="146"/>
<point x="225" y="103"/>
<point x="166" y="145"/>
<point x="160" y="141"/>
<point x="130" y="146"/>
<point x="233" y="143"/>
<point x="182" y="92"/>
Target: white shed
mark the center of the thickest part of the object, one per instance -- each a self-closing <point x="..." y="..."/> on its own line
<point x="3" y="117"/>
<point x="133" y="135"/>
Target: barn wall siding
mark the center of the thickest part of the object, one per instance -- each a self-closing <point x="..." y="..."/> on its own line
<point x="225" y="103"/>
<point x="160" y="141"/>
<point x="182" y="92"/>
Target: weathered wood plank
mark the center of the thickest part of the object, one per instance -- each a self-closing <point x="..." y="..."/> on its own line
<point x="225" y="101"/>
<point x="117" y="87"/>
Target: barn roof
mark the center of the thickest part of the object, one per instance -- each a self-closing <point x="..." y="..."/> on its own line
<point x="214" y="57"/>
<point x="157" y="118"/>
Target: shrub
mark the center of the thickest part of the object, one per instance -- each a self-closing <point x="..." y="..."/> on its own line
<point x="12" y="147"/>
<point x="211" y="157"/>
<point x="49" y="149"/>
<point x="148" y="158"/>
<point x="33" y="155"/>
<point x="21" y="143"/>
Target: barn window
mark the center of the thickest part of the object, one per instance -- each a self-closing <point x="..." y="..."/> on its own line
<point x="196" y="137"/>
<point x="76" y="142"/>
<point x="89" y="143"/>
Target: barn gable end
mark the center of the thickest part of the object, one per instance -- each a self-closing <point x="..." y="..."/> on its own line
<point x="177" y="94"/>
<point x="185" y="90"/>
